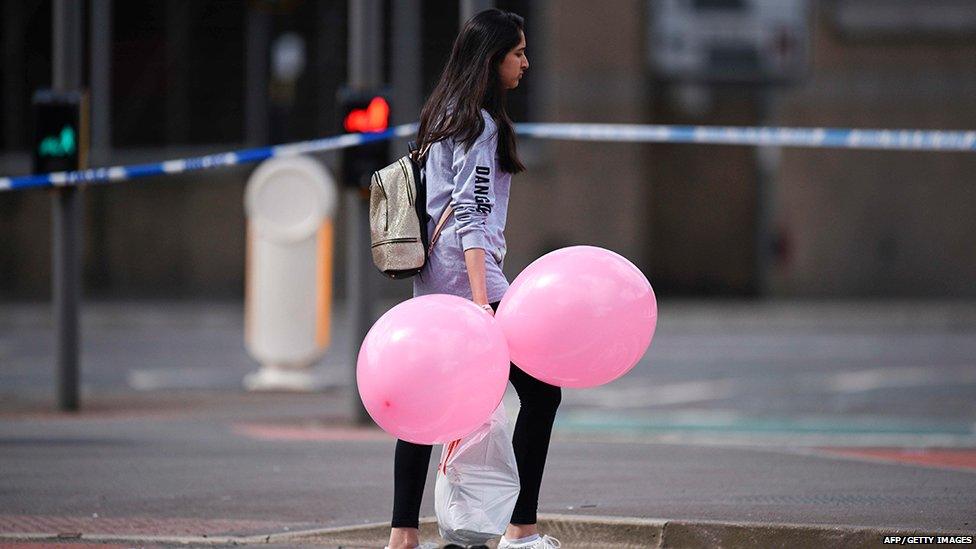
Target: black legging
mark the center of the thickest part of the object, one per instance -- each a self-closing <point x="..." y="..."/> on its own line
<point x="531" y="442"/>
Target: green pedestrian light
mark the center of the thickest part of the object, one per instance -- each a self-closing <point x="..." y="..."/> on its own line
<point x="61" y="145"/>
<point x="60" y="131"/>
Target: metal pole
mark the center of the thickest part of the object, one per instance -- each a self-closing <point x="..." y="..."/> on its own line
<point x="66" y="216"/>
<point x="470" y="8"/>
<point x="406" y="69"/>
<point x="365" y="71"/>
<point x="365" y="44"/>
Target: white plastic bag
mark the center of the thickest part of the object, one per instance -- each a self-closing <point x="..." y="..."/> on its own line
<point x="477" y="484"/>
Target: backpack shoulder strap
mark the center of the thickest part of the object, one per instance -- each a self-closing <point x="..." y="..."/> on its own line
<point x="440" y="225"/>
<point x="418" y="155"/>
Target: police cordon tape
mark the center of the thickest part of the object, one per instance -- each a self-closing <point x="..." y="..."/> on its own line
<point x="900" y="140"/>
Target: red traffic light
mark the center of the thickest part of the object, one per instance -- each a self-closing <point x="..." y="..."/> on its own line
<point x="374" y="118"/>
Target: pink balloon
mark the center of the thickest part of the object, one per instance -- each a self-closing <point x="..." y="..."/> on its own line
<point x="433" y="369"/>
<point x="578" y="317"/>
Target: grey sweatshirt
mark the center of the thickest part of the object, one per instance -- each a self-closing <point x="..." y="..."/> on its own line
<point x="472" y="181"/>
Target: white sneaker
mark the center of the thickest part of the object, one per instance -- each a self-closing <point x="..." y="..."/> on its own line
<point x="544" y="542"/>
<point x="425" y="545"/>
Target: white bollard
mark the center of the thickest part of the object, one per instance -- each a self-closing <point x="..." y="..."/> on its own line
<point x="290" y="203"/>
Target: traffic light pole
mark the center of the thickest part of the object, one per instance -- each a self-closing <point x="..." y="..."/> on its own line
<point x="365" y="72"/>
<point x="66" y="214"/>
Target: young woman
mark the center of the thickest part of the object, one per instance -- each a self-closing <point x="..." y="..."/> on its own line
<point x="469" y="167"/>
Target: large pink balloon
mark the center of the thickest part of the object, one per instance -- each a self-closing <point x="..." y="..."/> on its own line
<point x="578" y="317"/>
<point x="433" y="369"/>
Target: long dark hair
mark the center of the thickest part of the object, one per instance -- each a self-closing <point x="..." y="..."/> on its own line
<point x="469" y="82"/>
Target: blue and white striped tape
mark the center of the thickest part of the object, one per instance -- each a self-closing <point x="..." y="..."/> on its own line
<point x="904" y="140"/>
<point x="181" y="165"/>
<point x="913" y="140"/>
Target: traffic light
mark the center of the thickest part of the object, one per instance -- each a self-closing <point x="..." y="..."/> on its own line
<point x="60" y="136"/>
<point x="363" y="112"/>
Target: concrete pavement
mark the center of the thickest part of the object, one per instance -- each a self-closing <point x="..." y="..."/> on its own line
<point x="746" y="425"/>
<point x="177" y="467"/>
